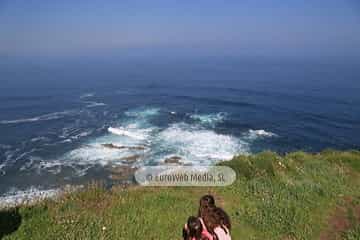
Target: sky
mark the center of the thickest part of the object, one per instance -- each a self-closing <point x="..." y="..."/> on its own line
<point x="241" y="27"/>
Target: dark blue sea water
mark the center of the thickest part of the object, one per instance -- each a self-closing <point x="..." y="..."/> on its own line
<point x="55" y="116"/>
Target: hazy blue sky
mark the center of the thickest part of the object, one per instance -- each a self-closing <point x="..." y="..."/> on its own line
<point x="242" y="27"/>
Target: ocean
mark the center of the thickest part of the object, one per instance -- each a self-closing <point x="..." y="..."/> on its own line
<point x="68" y="123"/>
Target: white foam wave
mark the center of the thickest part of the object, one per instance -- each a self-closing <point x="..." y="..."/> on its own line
<point x="24" y="154"/>
<point x="95" y="154"/>
<point x="254" y="134"/>
<point x="143" y="113"/>
<point x="73" y="132"/>
<point x="45" y="117"/>
<point x="210" y="119"/>
<point x="199" y="146"/>
<point x="82" y="134"/>
<point x="68" y="131"/>
<point x="28" y="164"/>
<point x="2" y="171"/>
<point x="11" y="157"/>
<point x="32" y="195"/>
<point x="191" y="142"/>
<point x="138" y="133"/>
<point x="38" y="139"/>
<point x="10" y="153"/>
<point x="87" y="95"/>
<point x="53" y="166"/>
<point x="135" y="133"/>
<point x="95" y="104"/>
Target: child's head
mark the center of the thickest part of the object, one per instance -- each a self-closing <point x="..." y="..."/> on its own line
<point x="207" y="202"/>
<point x="222" y="217"/>
<point x="194" y="229"/>
<point x="212" y="214"/>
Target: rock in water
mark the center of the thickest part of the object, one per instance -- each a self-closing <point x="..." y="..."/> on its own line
<point x="113" y="146"/>
<point x="173" y="160"/>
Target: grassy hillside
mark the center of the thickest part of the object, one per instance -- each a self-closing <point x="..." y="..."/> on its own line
<point x="297" y="196"/>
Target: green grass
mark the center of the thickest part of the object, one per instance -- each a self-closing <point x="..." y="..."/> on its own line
<point x="352" y="234"/>
<point x="274" y="197"/>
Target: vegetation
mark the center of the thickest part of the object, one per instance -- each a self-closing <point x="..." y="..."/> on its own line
<point x="296" y="196"/>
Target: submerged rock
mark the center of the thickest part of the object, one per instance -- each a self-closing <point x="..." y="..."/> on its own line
<point x="113" y="146"/>
<point x="136" y="148"/>
<point x="173" y="160"/>
<point x="110" y="145"/>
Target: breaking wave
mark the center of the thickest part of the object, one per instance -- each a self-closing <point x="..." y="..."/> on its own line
<point x="95" y="104"/>
<point x="143" y="113"/>
<point x="140" y="134"/>
<point x="254" y="134"/>
<point x="136" y="141"/>
<point x="199" y="146"/>
<point x="87" y="95"/>
<point x="210" y="119"/>
<point x="132" y="139"/>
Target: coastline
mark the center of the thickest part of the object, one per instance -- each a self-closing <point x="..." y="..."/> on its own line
<point x="33" y="196"/>
<point x="274" y="197"/>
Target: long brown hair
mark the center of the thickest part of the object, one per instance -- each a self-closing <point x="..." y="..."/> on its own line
<point x="207" y="202"/>
<point x="213" y="216"/>
<point x="194" y="229"/>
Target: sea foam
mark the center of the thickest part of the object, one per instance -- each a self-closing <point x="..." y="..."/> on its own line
<point x="210" y="119"/>
<point x="87" y="95"/>
<point x="199" y="146"/>
<point x="143" y="113"/>
<point x="135" y="133"/>
<point x="45" y="117"/>
<point x="253" y="134"/>
<point x="94" y="104"/>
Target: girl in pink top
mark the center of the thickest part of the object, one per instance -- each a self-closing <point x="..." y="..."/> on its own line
<point x="195" y="229"/>
<point x="217" y="222"/>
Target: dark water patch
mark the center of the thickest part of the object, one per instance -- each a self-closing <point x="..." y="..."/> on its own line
<point x="24" y="98"/>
